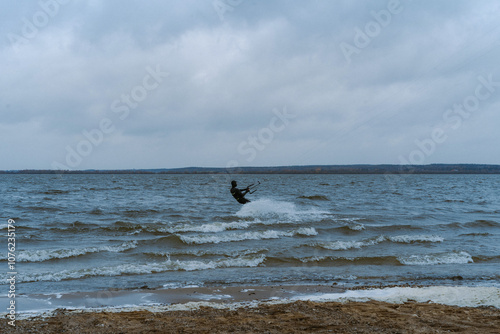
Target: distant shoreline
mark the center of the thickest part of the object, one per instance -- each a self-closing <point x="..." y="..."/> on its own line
<point x="310" y="169"/>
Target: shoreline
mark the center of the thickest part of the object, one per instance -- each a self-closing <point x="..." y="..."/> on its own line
<point x="272" y="309"/>
<point x="162" y="299"/>
<point x="178" y="298"/>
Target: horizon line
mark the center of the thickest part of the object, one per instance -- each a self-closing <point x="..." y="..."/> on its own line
<point x="252" y="167"/>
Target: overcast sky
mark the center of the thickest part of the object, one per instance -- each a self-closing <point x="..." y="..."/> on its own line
<point x="111" y="84"/>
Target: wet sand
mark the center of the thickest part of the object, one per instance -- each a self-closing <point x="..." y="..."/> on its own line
<point x="240" y="310"/>
<point x="297" y="317"/>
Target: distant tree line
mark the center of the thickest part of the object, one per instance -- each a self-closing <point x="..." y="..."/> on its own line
<point x="315" y="169"/>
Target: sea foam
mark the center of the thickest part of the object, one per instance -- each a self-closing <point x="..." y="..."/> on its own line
<point x="49" y="254"/>
<point x="439" y="258"/>
<point x="273" y="211"/>
<point x="456" y="296"/>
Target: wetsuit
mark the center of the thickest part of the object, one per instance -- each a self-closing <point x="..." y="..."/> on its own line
<point x="239" y="196"/>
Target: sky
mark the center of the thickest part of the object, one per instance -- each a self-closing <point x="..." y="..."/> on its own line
<point x="109" y="84"/>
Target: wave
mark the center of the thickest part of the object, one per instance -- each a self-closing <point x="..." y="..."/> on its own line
<point x="206" y="228"/>
<point x="96" y="212"/>
<point x="219" y="227"/>
<point x="345" y="245"/>
<point x="406" y="239"/>
<point x="104" y="189"/>
<point x="160" y="228"/>
<point x="349" y="227"/>
<point x="353" y="227"/>
<point x="171" y="240"/>
<point x="484" y="258"/>
<point x="147" y="268"/>
<point x="439" y="258"/>
<point x="43" y="208"/>
<point x="362" y="261"/>
<point x="428" y="259"/>
<point x="257" y="235"/>
<point x="482" y="223"/>
<point x="75" y="227"/>
<point x="482" y="211"/>
<point x="50" y="254"/>
<point x="272" y="209"/>
<point x="315" y="198"/>
<point x="454" y="201"/>
<point x="121" y="226"/>
<point x="392" y="228"/>
<point x="475" y="224"/>
<point x="306" y="231"/>
<point x="139" y="213"/>
<point x="335" y="261"/>
<point x="485" y="234"/>
<point x="55" y="192"/>
<point x="199" y="253"/>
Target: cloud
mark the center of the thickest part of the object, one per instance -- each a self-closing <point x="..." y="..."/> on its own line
<point x="227" y="74"/>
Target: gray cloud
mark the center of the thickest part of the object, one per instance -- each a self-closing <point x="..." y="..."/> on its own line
<point x="92" y="61"/>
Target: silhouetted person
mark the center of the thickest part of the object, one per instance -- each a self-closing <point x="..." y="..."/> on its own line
<point x="238" y="194"/>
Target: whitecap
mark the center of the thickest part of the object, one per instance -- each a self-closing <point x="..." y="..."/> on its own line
<point x="434" y="259"/>
<point x="207" y="228"/>
<point x="147" y="268"/>
<point x="242" y="236"/>
<point x="40" y="255"/>
<point x="345" y="245"/>
<point x="416" y="238"/>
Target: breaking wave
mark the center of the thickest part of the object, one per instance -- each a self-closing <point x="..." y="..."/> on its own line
<point x="235" y="236"/>
<point x="407" y="239"/>
<point x="411" y="260"/>
<point x="315" y="198"/>
<point x="206" y="228"/>
<point x="147" y="268"/>
<point x="440" y="258"/>
<point x="49" y="254"/>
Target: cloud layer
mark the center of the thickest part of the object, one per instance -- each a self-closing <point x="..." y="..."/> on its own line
<point x="111" y="84"/>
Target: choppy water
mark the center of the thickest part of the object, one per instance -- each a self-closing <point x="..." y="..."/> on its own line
<point x="95" y="232"/>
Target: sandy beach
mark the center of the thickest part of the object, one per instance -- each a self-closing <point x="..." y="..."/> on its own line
<point x="297" y="317"/>
<point x="257" y="310"/>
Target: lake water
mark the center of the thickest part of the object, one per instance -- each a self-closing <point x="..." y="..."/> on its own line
<point x="97" y="232"/>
